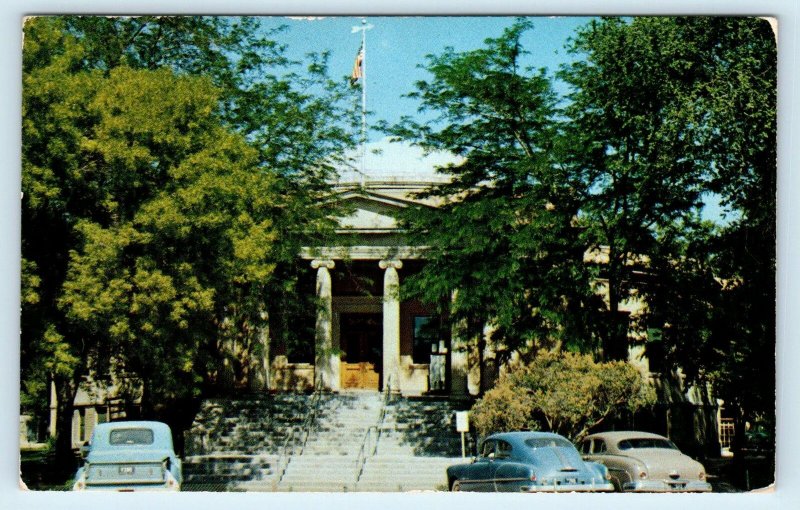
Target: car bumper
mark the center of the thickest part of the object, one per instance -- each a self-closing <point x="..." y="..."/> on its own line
<point x="600" y="487"/>
<point x="130" y="488"/>
<point x="661" y="486"/>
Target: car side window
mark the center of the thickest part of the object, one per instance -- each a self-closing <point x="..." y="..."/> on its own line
<point x="599" y="446"/>
<point x="488" y="448"/>
<point x="586" y="446"/>
<point x="503" y="450"/>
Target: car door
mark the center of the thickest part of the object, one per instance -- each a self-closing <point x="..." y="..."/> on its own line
<point x="506" y="471"/>
<point x="596" y="450"/>
<point x="478" y="474"/>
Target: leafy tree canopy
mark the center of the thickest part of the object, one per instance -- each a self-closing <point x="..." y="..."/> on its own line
<point x="502" y="234"/>
<point x="566" y="393"/>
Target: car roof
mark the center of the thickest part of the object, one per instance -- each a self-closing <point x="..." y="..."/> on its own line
<point x="111" y="425"/>
<point x="521" y="436"/>
<point x="618" y="435"/>
<point x="162" y="435"/>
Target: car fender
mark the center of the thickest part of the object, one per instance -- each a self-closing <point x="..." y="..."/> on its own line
<point x="620" y="467"/>
<point x="598" y="468"/>
<point x="508" y="476"/>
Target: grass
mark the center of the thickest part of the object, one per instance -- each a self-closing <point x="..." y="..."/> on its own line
<point x="41" y="473"/>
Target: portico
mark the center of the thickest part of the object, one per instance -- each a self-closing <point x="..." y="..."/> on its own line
<point x="365" y="336"/>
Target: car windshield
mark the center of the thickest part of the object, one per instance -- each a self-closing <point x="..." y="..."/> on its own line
<point x="545" y="442"/>
<point x="131" y="436"/>
<point x="646" y="442"/>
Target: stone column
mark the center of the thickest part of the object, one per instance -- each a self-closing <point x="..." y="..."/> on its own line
<point x="391" y="324"/>
<point x="326" y="363"/>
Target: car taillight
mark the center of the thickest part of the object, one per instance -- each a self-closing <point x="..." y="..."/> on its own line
<point x="533" y="477"/>
<point x="79" y="485"/>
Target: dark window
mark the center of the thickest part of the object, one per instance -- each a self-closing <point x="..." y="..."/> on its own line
<point x="426" y="338"/>
<point x="131" y="436"/>
<point x="656" y="357"/>
<point x="81" y="424"/>
<point x="488" y="448"/>
<point x="646" y="442"/>
<point x="586" y="446"/>
<point x="503" y="450"/>
<point x="599" y="446"/>
<point x="615" y="341"/>
<point x="548" y="442"/>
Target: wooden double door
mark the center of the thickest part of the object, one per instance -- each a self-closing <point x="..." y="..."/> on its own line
<point x="361" y="341"/>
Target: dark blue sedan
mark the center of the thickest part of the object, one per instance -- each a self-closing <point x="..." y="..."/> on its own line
<point x="528" y="462"/>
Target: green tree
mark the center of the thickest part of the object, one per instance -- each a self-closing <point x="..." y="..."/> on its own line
<point x="502" y="241"/>
<point x="296" y="117"/>
<point x="632" y="130"/>
<point x="671" y="113"/>
<point x="566" y="393"/>
<point x="161" y="211"/>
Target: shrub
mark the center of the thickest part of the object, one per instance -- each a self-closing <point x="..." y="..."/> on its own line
<point x="565" y="393"/>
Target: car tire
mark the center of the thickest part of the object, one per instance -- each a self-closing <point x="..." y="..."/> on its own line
<point x="455" y="486"/>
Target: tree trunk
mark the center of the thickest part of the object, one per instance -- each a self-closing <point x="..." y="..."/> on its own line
<point x="65" y="390"/>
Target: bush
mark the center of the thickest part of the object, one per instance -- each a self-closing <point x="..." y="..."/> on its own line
<point x="565" y="393"/>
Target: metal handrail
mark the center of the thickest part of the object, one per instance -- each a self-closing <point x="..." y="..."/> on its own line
<point x="290" y="441"/>
<point x="361" y="459"/>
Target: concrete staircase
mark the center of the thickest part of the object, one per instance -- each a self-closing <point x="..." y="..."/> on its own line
<point x="351" y="441"/>
<point x="332" y="455"/>
<point x="237" y="444"/>
<point x="417" y="442"/>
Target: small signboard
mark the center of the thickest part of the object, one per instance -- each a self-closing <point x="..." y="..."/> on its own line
<point x="462" y="421"/>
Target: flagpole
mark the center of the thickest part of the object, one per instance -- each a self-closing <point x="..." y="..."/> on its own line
<point x="363" y="99"/>
<point x="360" y="73"/>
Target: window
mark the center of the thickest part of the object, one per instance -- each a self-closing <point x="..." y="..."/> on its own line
<point x="425" y="338"/>
<point x="599" y="446"/>
<point x="131" y="436"/>
<point x="586" y="446"/>
<point x="503" y="450"/>
<point x="646" y="442"/>
<point x="488" y="448"/>
<point x="548" y="442"/>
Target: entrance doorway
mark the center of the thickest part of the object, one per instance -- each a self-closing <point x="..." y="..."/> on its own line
<point x="361" y="339"/>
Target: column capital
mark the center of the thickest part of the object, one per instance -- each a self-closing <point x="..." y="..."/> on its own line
<point x="387" y="263"/>
<point x="326" y="263"/>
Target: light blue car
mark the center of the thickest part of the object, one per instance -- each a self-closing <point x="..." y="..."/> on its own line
<point x="130" y="456"/>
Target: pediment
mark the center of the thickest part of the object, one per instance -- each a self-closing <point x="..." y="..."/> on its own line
<point x="371" y="212"/>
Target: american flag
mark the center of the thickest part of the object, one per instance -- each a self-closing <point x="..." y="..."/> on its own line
<point x="358" y="72"/>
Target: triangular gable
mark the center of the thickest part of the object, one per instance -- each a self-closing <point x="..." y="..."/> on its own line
<point x="371" y="211"/>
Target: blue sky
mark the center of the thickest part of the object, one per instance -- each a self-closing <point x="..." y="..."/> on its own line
<point x="397" y="45"/>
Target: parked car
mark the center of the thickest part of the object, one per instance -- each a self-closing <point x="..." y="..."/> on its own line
<point x="645" y="462"/>
<point x="528" y="462"/>
<point x="130" y="456"/>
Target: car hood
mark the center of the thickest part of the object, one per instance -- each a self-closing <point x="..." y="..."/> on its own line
<point x="127" y="455"/>
<point x="663" y="463"/>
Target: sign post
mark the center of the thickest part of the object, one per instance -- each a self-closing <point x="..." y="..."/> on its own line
<point x="462" y="425"/>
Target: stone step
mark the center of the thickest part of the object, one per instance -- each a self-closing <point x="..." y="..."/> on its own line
<point x="316" y="486"/>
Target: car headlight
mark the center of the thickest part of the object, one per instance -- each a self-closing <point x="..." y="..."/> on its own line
<point x="172" y="483"/>
<point x="80" y="483"/>
<point x="641" y="472"/>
